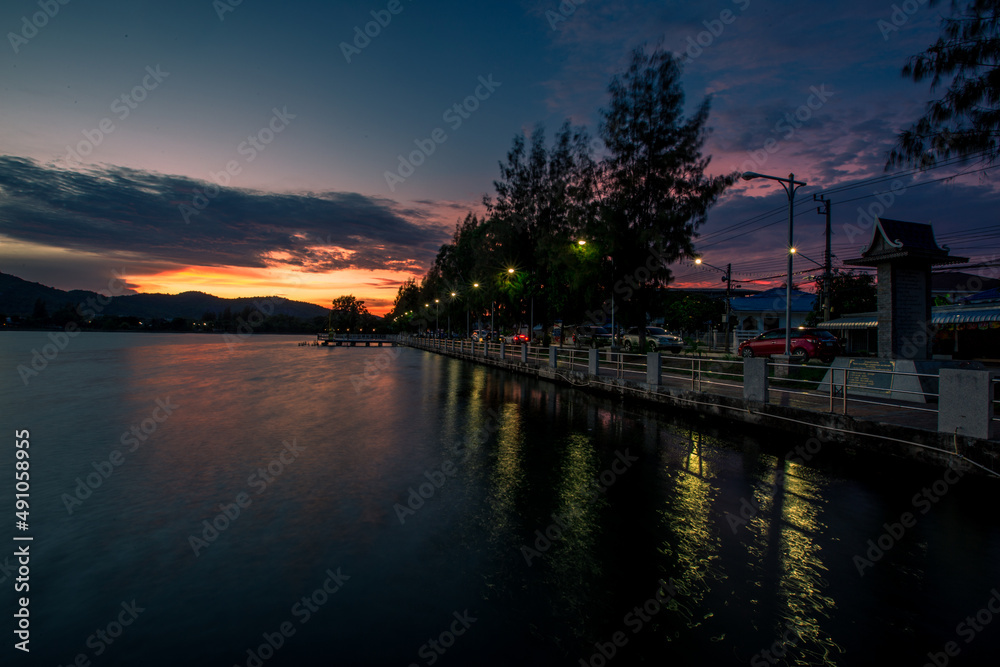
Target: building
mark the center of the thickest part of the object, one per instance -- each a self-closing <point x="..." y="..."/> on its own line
<point x="766" y="310"/>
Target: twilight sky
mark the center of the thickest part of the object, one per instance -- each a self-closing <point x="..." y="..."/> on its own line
<point x="242" y="149"/>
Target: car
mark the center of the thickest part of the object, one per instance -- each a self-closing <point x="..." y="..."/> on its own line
<point x="591" y="335"/>
<point x="806" y="343"/>
<point x="514" y="339"/>
<point x="656" y="339"/>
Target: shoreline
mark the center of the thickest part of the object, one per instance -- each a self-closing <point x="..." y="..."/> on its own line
<point x="853" y="433"/>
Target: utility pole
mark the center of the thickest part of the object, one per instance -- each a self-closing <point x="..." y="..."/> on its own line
<point x="827" y="261"/>
<point x="729" y="282"/>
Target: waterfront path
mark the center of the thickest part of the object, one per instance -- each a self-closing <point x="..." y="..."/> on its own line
<point x="715" y="386"/>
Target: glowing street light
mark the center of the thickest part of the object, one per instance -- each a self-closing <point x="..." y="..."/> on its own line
<point x="790" y="185"/>
<point x="728" y="280"/>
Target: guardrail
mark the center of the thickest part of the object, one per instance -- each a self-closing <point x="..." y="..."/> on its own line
<point x="833" y="390"/>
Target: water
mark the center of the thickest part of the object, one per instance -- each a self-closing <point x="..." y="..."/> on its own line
<point x="353" y="436"/>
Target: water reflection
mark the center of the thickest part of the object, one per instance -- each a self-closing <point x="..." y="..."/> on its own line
<point x="691" y="544"/>
<point x="522" y="451"/>
<point x="784" y="551"/>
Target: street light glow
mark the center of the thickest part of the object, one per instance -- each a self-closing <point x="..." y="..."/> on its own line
<point x="510" y="270"/>
<point x="697" y="260"/>
<point x="581" y="242"/>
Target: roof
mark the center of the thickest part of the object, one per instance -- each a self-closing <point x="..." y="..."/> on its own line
<point x="958" y="281"/>
<point x="898" y="239"/>
<point x="773" y="300"/>
<point x="992" y="294"/>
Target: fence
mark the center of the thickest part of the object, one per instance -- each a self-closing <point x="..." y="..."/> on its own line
<point x="934" y="401"/>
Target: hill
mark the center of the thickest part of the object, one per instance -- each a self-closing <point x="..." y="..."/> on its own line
<point x="18" y="297"/>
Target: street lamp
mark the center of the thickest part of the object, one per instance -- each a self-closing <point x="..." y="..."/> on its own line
<point x="790" y="185"/>
<point x="728" y="280"/>
<point x="437" y="317"/>
<point x="582" y="242"/>
<point x="468" y="315"/>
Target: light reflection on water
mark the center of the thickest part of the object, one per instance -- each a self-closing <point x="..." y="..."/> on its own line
<point x="379" y="425"/>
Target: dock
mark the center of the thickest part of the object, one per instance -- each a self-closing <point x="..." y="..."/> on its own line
<point x="356" y="340"/>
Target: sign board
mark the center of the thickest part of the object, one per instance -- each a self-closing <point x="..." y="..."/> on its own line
<point x="862" y="375"/>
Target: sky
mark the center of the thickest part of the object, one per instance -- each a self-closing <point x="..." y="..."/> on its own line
<point x="254" y="148"/>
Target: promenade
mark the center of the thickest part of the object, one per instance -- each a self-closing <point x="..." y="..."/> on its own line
<point x="714" y="386"/>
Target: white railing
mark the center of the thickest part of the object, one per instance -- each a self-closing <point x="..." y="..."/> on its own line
<point x="709" y="374"/>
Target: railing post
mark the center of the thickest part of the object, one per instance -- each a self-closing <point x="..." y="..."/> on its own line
<point x="654" y="368"/>
<point x="503" y="349"/>
<point x="965" y="402"/>
<point x="593" y="362"/>
<point x="553" y="357"/>
<point x="524" y="353"/>
<point x="755" y="380"/>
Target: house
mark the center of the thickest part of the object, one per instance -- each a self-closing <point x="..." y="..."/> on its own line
<point x="954" y="286"/>
<point x="766" y="310"/>
<point x="966" y="330"/>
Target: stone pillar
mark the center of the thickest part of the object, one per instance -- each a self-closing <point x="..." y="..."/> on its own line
<point x="553" y="357"/>
<point x="593" y="363"/>
<point x="503" y="349"/>
<point x="755" y="379"/>
<point x="654" y="366"/>
<point x="965" y="402"/>
<point x="524" y="353"/>
<point x="904" y="311"/>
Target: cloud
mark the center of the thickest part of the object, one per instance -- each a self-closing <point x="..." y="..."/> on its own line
<point x="138" y="213"/>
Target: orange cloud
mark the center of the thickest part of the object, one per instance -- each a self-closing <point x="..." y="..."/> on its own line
<point x="376" y="288"/>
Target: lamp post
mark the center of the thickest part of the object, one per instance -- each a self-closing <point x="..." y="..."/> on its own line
<point x="511" y="272"/>
<point x="790" y="185"/>
<point x="468" y="315"/>
<point x="729" y="280"/>
<point x="583" y="242"/>
<point x="437" y="317"/>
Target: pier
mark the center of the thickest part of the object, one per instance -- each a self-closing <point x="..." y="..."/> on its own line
<point x="356" y="340"/>
<point x="949" y="421"/>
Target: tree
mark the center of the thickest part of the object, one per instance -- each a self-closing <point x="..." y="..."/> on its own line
<point x="656" y="193"/>
<point x="40" y="312"/>
<point x="850" y="292"/>
<point x="348" y="313"/>
<point x="689" y="312"/>
<point x="966" y="120"/>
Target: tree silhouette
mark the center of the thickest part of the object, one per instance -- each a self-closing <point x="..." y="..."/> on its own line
<point x="966" y="120"/>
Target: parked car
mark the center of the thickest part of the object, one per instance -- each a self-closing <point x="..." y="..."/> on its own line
<point x="517" y="339"/>
<point x="806" y="344"/>
<point x="656" y="339"/>
<point x="590" y="335"/>
<point x="480" y="336"/>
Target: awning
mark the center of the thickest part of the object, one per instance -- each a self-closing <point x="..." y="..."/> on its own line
<point x="966" y="316"/>
<point x="939" y="318"/>
<point x="849" y="323"/>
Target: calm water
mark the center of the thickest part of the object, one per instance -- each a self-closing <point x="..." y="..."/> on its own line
<point x="352" y="436"/>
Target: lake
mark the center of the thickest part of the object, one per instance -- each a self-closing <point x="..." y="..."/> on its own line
<point x="197" y="500"/>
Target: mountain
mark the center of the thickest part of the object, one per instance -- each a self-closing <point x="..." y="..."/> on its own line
<point x="18" y="297"/>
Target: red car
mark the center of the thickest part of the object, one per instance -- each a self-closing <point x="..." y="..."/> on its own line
<point x="806" y="344"/>
<point x="518" y="338"/>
